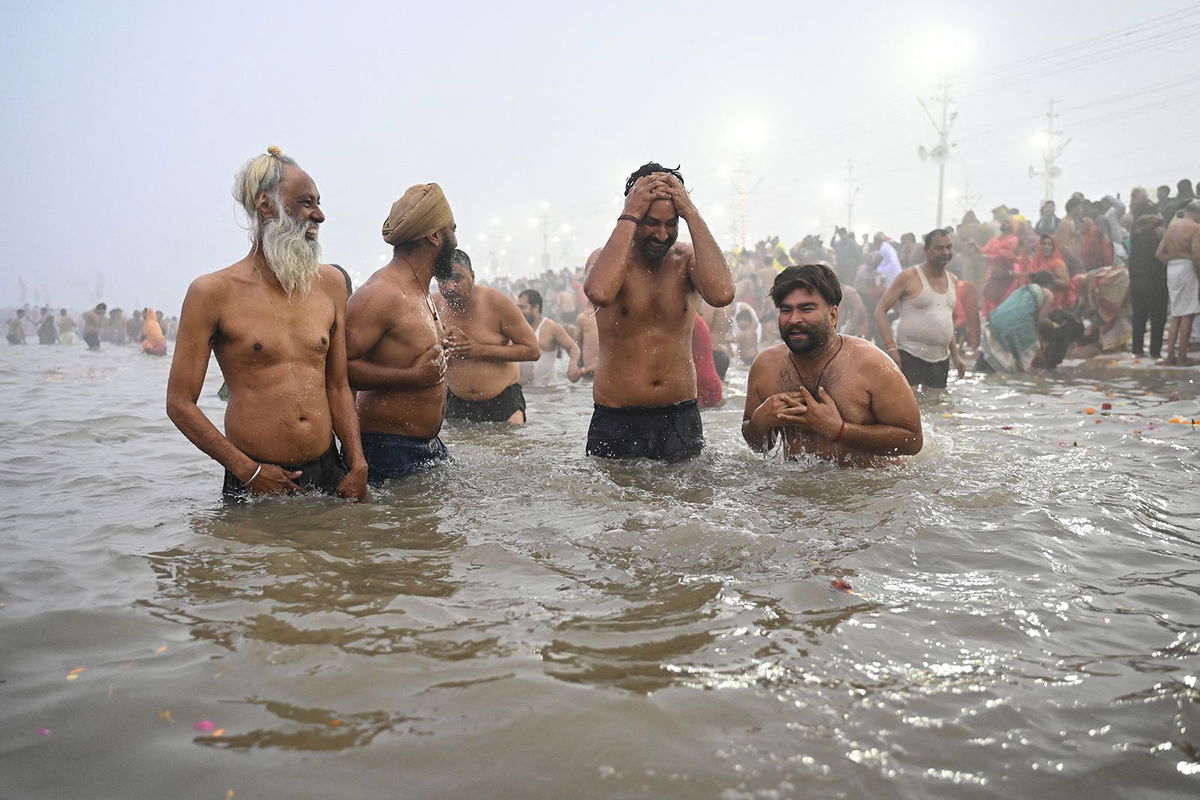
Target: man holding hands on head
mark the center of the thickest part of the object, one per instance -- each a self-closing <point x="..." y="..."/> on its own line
<point x="645" y="287"/>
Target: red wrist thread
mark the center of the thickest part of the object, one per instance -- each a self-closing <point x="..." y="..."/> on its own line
<point x="841" y="430"/>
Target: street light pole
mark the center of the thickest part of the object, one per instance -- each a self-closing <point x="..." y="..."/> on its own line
<point x="941" y="151"/>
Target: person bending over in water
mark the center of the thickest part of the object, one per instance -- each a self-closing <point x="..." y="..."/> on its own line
<point x="276" y="322"/>
<point x="644" y="285"/>
<point x="838" y="397"/>
<point x="486" y="336"/>
<point x="394" y="339"/>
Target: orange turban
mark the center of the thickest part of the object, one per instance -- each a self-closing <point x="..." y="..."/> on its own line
<point x="421" y="211"/>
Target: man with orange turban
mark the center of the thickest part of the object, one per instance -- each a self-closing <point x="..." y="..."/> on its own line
<point x="394" y="339"/>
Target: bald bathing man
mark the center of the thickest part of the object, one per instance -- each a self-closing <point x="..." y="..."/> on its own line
<point x="394" y="339"/>
<point x="646" y="287"/>
<point x="276" y="322"/>
<point x="838" y="397"/>
<point x="486" y="337"/>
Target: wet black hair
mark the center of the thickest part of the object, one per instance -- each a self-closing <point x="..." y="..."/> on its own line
<point x="813" y="277"/>
<point x="459" y="257"/>
<point x="650" y="169"/>
<point x="534" y="297"/>
<point x="1042" y="278"/>
<point x="929" y="237"/>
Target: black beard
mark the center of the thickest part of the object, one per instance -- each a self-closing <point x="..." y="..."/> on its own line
<point x="652" y="256"/>
<point x="816" y="340"/>
<point x="443" y="267"/>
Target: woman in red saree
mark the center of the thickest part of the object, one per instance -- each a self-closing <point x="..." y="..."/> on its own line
<point x="1097" y="248"/>
<point x="1003" y="274"/>
<point x="1050" y="259"/>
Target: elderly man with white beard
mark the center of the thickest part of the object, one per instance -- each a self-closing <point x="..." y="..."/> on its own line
<point x="276" y="322"/>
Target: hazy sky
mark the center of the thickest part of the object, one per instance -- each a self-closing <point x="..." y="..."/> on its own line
<point x="125" y="121"/>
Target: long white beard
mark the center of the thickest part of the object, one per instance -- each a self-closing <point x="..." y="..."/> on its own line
<point x="291" y="255"/>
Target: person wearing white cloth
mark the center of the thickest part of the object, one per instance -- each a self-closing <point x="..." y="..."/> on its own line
<point x="1180" y="249"/>
<point x="923" y="343"/>
<point x="550" y="337"/>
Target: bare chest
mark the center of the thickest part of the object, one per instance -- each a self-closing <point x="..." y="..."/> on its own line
<point x="480" y="325"/>
<point x="650" y="301"/>
<point x="276" y="332"/>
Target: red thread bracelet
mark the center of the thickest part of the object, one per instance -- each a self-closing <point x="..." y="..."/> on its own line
<point x="841" y="430"/>
<point x="630" y="218"/>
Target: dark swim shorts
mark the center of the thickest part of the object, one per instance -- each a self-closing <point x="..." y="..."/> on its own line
<point x="322" y="475"/>
<point x="93" y="340"/>
<point x="919" y="372"/>
<point x="662" y="433"/>
<point x="497" y="409"/>
<point x="390" y="455"/>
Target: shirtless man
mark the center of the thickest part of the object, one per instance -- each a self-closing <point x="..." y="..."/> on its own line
<point x="16" y="328"/>
<point x="486" y="337"/>
<point x="1180" y="249"/>
<point x="550" y="337"/>
<point x="838" y="397"/>
<point x="394" y="339"/>
<point x="588" y="338"/>
<point x="276" y="322"/>
<point x="646" y="286"/>
<point x="923" y="344"/>
<point x="93" y="325"/>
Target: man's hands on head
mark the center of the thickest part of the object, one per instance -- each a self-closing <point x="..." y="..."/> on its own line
<point x="679" y="197"/>
<point x="645" y="191"/>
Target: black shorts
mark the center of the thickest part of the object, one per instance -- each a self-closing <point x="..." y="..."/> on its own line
<point x="93" y="340"/>
<point x="919" y="372"/>
<point x="497" y="409"/>
<point x="662" y="433"/>
<point x="391" y="456"/>
<point x="321" y="474"/>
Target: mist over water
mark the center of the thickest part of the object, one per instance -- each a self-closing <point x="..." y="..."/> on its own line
<point x="534" y="623"/>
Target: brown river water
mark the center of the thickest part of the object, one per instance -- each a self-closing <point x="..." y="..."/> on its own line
<point x="1022" y="617"/>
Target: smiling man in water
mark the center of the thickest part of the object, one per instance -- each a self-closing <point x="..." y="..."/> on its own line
<point x="275" y="321"/>
<point x="839" y="397"/>
<point x="646" y="287"/>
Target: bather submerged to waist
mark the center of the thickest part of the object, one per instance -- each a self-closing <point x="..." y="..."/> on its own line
<point x="662" y="433"/>
<point x="322" y="474"/>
